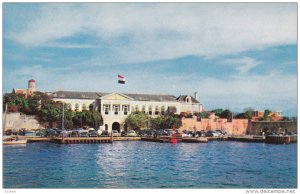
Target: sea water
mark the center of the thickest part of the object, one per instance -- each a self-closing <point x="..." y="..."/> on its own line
<point x="138" y="164"/>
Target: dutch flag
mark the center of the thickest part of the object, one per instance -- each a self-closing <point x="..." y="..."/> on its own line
<point x="121" y="79"/>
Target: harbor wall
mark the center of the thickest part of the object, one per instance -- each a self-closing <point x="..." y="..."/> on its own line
<point x="256" y="127"/>
<point x="20" y="121"/>
<point x="237" y="126"/>
<point x="234" y="127"/>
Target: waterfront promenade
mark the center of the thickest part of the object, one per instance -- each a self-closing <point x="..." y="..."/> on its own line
<point x="166" y="139"/>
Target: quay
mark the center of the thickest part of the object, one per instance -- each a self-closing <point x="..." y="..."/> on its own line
<point x="284" y="139"/>
<point x="126" y="138"/>
<point x="32" y="139"/>
<point x="161" y="139"/>
<point x="82" y="140"/>
<point x="222" y="138"/>
<point x="249" y="139"/>
<point x="195" y="140"/>
<point x="269" y="139"/>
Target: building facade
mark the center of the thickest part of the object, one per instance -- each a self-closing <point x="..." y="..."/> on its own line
<point x="115" y="107"/>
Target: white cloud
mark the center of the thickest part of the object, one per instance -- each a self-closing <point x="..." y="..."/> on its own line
<point x="166" y="30"/>
<point x="244" y="64"/>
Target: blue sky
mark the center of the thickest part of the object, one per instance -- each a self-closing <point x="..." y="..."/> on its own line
<point x="235" y="55"/>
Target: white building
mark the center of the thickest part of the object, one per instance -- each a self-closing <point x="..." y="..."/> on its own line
<point x="115" y="107"/>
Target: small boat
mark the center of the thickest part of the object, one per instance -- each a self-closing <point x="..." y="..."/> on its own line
<point x="15" y="142"/>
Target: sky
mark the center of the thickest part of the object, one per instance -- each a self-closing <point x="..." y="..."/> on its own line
<point x="235" y="55"/>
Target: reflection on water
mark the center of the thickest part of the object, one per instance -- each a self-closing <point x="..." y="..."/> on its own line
<point x="150" y="165"/>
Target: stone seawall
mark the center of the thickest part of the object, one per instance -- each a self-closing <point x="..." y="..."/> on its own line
<point x="238" y="126"/>
<point x="255" y="127"/>
<point x="234" y="127"/>
<point x="20" y="121"/>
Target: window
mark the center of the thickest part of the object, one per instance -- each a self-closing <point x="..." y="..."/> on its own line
<point x="83" y="107"/>
<point x="136" y="108"/>
<point x="125" y="109"/>
<point x="143" y="109"/>
<point x="116" y="110"/>
<point x="76" y="107"/>
<point x="188" y="99"/>
<point x="106" y="109"/>
<point x="162" y="110"/>
<point x="91" y="107"/>
<point x="69" y="106"/>
<point x="156" y="110"/>
<point x="150" y="110"/>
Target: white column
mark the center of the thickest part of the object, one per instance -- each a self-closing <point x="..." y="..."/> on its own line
<point x="111" y="109"/>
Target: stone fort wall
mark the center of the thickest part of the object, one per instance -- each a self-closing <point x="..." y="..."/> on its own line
<point x="256" y="127"/>
<point x="237" y="126"/>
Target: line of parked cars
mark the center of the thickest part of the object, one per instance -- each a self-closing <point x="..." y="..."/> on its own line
<point x="91" y="132"/>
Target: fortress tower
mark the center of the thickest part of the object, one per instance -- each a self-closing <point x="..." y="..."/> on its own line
<point x="31" y="86"/>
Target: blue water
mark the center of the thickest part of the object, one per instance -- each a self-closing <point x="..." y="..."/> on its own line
<point x="150" y="165"/>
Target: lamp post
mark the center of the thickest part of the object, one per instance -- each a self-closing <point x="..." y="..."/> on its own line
<point x="63" y="117"/>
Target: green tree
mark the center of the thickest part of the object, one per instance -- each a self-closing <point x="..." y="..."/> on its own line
<point x="137" y="120"/>
<point x="202" y="115"/>
<point x="245" y="115"/>
<point x="157" y="123"/>
<point x="218" y="111"/>
<point x="17" y="100"/>
<point x="226" y="114"/>
<point x="172" y="120"/>
<point x="266" y="114"/>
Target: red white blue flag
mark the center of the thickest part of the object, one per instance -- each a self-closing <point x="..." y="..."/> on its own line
<point x="121" y="79"/>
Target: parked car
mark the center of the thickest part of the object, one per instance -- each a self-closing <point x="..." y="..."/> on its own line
<point x="74" y="133"/>
<point x="212" y="134"/>
<point x="147" y="132"/>
<point x="170" y="132"/>
<point x="30" y="133"/>
<point x="115" y="133"/>
<point x="221" y="132"/>
<point x="51" y="132"/>
<point x="84" y="134"/>
<point x="93" y="133"/>
<point x="123" y="133"/>
<point x="161" y="132"/>
<point x="131" y="133"/>
<point x="104" y="133"/>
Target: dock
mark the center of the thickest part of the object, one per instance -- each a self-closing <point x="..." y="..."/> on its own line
<point x="194" y="140"/>
<point x="281" y="139"/>
<point x="82" y="140"/>
<point x="161" y="139"/>
<point x="271" y="139"/>
<point x="249" y="139"/>
<point x="38" y="139"/>
<point x="126" y="138"/>
<point x="220" y="138"/>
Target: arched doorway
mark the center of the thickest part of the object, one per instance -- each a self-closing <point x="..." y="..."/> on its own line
<point x="116" y="126"/>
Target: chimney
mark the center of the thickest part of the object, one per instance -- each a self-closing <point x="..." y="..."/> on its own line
<point x="196" y="95"/>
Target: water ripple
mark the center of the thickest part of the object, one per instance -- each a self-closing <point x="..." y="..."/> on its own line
<point x="150" y="165"/>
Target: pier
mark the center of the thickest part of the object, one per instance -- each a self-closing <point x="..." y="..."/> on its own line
<point x="276" y="139"/>
<point x="249" y="139"/>
<point x="195" y="140"/>
<point x="82" y="140"/>
<point x="126" y="138"/>
<point x="271" y="139"/>
<point x="161" y="139"/>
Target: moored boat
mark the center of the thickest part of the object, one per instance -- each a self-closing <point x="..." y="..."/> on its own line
<point x="15" y="142"/>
